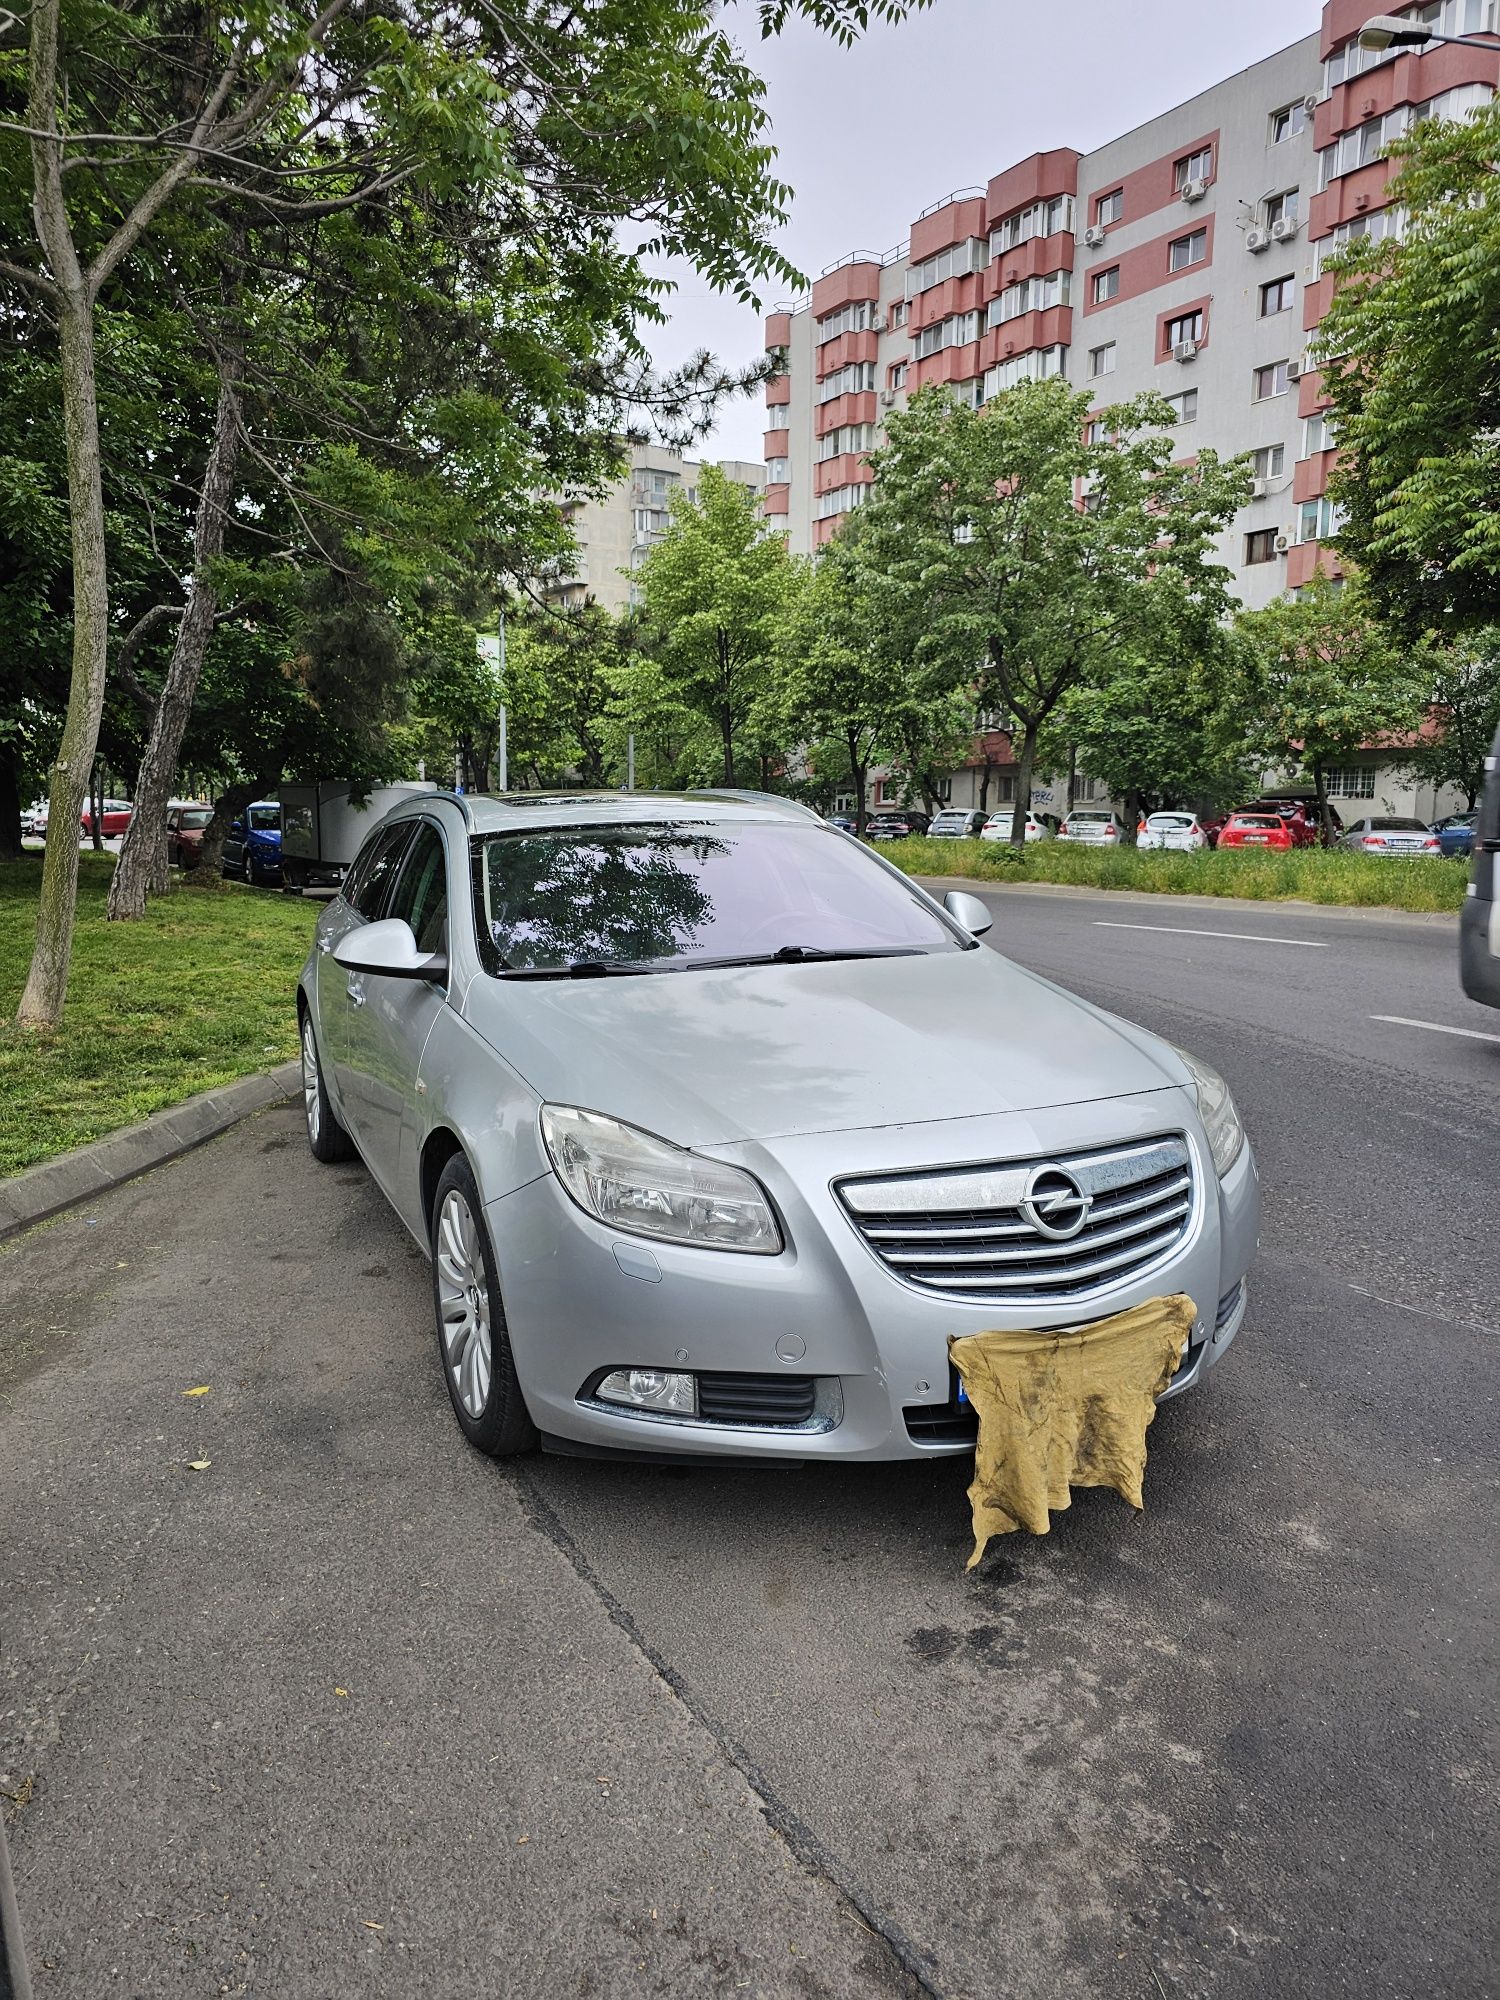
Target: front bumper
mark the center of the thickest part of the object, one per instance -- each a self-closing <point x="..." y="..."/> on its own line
<point x="581" y="1299"/>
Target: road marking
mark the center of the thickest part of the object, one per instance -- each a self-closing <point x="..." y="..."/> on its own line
<point x="1436" y="1027"/>
<point x="1191" y="930"/>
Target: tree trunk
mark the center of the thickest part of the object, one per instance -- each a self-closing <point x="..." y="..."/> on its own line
<point x="726" y="738"/>
<point x="142" y="867"/>
<point x="860" y="772"/>
<point x="1135" y="805"/>
<point x="1023" y="788"/>
<point x="228" y="806"/>
<point x="1324" y="821"/>
<point x="984" y="784"/>
<point x="47" y="980"/>
<point x="10" y="802"/>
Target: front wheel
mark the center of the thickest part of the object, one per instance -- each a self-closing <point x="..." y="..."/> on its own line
<point x="473" y="1343"/>
<point x="327" y="1138"/>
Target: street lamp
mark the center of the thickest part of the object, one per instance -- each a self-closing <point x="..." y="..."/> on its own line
<point x="1390" y="31"/>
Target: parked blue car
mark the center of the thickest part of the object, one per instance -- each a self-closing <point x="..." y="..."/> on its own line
<point x="252" y="847"/>
<point x="1456" y="835"/>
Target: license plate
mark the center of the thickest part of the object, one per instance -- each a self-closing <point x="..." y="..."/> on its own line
<point x="961" y="1396"/>
<point x="1256" y="839"/>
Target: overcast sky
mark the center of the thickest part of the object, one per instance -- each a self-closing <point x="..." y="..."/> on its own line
<point x="869" y="136"/>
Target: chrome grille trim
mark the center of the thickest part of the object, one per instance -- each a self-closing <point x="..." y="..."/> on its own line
<point x="961" y="1231"/>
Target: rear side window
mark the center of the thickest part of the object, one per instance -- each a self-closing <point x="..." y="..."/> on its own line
<point x="376" y="866"/>
<point x="421" y="894"/>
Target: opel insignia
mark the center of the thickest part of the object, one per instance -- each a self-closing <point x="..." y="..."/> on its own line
<point x="717" y="1129"/>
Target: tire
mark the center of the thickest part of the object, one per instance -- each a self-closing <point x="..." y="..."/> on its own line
<point x="327" y="1139"/>
<point x="473" y="1344"/>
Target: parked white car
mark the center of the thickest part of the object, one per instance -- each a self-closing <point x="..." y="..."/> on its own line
<point x="997" y="826"/>
<point x="1182" y="830"/>
<point x="956" y="823"/>
<point x="1093" y="828"/>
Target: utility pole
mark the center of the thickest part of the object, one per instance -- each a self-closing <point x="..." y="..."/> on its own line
<point x="503" y="759"/>
<point x="630" y="762"/>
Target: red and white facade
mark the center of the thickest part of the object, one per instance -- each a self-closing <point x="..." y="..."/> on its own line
<point x="1184" y="256"/>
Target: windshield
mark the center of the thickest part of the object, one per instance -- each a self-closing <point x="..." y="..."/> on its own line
<point x="1170" y="820"/>
<point x="265" y="819"/>
<point x="1090" y="819"/>
<point x="1397" y="826"/>
<point x="199" y="818"/>
<point x="1254" y="819"/>
<point x="653" y="898"/>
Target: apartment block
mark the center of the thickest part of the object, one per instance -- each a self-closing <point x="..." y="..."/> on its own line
<point x="614" y="535"/>
<point x="1184" y="256"/>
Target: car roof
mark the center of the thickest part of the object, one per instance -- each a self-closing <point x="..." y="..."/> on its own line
<point x="515" y="812"/>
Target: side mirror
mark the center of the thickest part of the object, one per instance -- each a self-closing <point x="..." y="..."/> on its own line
<point x="968" y="911"/>
<point x="236" y="829"/>
<point x="390" y="950"/>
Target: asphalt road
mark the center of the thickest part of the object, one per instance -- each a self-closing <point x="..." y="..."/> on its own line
<point x="352" y="1711"/>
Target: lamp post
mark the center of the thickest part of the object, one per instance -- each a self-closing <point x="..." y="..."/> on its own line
<point x="1390" y="31"/>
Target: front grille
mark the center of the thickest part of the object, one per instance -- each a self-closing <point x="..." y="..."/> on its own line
<point x="962" y="1232"/>
<point x="756" y="1399"/>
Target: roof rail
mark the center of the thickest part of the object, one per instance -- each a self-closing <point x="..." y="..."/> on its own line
<point x="754" y="798"/>
<point x="958" y="194"/>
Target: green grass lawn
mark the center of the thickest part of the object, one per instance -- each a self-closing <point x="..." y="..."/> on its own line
<point x="1310" y="875"/>
<point x="200" y="992"/>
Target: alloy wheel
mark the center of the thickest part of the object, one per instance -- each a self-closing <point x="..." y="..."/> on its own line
<point x="310" y="1080"/>
<point x="463" y="1302"/>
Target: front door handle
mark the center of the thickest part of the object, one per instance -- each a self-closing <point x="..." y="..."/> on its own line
<point x="325" y="945"/>
<point x="356" y="991"/>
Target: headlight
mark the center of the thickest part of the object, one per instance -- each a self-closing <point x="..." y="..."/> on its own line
<point x="632" y="1181"/>
<point x="1221" y="1121"/>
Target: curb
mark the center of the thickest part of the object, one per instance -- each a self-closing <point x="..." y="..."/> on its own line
<point x="983" y="885"/>
<point x="90" y="1170"/>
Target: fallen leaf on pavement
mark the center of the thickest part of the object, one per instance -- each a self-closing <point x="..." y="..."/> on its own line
<point x="341" y="1690"/>
<point x="521" y="1842"/>
<point x="199" y="1464"/>
<point x="201" y="1391"/>
<point x="373" y="1927"/>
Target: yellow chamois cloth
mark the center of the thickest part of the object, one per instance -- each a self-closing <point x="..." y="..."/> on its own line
<point x="1058" y="1410"/>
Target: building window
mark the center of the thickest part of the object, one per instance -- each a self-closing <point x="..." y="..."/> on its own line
<point x="842" y="500"/>
<point x="1034" y="366"/>
<point x="1185" y="327"/>
<point x="848" y="437"/>
<point x="896" y="375"/>
<point x="849" y="381"/>
<point x="1319" y="519"/>
<point x="1349" y="781"/>
<point x="1278" y="296"/>
<point x="1317" y="434"/>
<point x="1106" y="284"/>
<point x="1283" y="207"/>
<point x="1197" y="166"/>
<point x="1102" y="359"/>
<point x="1185" y="406"/>
<point x="1042" y="218"/>
<point x="1031" y="295"/>
<point x="1260" y="546"/>
<point x="1269" y="462"/>
<point x="1271" y="381"/>
<point x="848" y="319"/>
<point x="1096" y="431"/>
<point x="1186" y="250"/>
<point x="1288" y="122"/>
<point x="896" y="313"/>
<point x="1109" y="207"/>
<point x="955" y="262"/>
<point x="778" y="471"/>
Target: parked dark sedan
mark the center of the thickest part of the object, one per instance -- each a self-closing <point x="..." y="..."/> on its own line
<point x="1456" y="835"/>
<point x="895" y="825"/>
<point x="185" y="825"/>
<point x="252" y="850"/>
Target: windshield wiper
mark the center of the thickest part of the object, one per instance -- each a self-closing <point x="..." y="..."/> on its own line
<point x="812" y="954"/>
<point x="787" y="954"/>
<point x="581" y="968"/>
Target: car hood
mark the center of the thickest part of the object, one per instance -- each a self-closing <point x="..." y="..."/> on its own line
<point x="761" y="1052"/>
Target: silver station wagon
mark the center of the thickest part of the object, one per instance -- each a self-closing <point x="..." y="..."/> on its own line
<point x="717" y="1128"/>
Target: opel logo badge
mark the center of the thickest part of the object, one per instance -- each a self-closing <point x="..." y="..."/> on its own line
<point x="1054" y="1204"/>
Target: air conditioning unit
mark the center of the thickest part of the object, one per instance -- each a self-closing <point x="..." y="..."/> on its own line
<point x="1282" y="544"/>
<point x="1185" y="350"/>
<point x="1094" y="235"/>
<point x="1311" y="102"/>
<point x="1194" y="190"/>
<point x="1257" y="239"/>
<point x="1294" y="371"/>
<point x="1260" y="489"/>
<point x="877" y="322"/>
<point x="1284" y="229"/>
<point x="887" y="397"/>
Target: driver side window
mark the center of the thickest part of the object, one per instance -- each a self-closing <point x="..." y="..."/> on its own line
<point x="374" y="875"/>
<point x="421" y="894"/>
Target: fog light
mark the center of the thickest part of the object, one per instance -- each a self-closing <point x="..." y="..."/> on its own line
<point x="650" y="1389"/>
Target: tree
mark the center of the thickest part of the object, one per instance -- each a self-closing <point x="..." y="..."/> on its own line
<point x="713" y="590"/>
<point x="1463" y="717"/>
<point x="1331" y="681"/>
<point x="1169" y="720"/>
<point x="1033" y="547"/>
<point x="1410" y="347"/>
<point x="138" y="121"/>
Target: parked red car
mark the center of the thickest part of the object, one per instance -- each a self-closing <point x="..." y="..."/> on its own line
<point x="114" y="817"/>
<point x="1258" y="830"/>
<point x="185" y="826"/>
